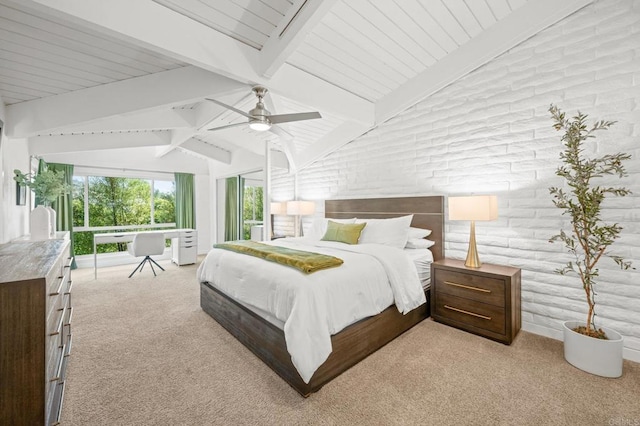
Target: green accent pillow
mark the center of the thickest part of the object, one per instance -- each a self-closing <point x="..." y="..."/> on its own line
<point x="343" y="232"/>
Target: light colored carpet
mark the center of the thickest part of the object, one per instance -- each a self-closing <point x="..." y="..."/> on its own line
<point x="144" y="353"/>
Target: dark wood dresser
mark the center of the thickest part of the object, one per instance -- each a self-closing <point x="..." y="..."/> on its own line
<point x="483" y="301"/>
<point x="35" y="330"/>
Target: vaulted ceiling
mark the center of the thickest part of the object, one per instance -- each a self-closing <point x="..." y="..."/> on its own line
<point x="98" y="76"/>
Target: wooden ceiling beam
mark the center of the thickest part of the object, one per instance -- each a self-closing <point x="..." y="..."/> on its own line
<point x="62" y="144"/>
<point x="167" y="88"/>
<point x="161" y="119"/>
<point x="522" y="23"/>
<point x="290" y="33"/>
<point x="181" y="38"/>
<point x="207" y="150"/>
<point x="334" y="140"/>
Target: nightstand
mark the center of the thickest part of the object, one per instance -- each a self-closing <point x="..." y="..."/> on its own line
<point x="484" y="301"/>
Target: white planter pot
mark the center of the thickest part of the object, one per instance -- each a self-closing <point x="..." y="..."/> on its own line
<point x="595" y="356"/>
<point x="40" y="223"/>
<point x="53" y="220"/>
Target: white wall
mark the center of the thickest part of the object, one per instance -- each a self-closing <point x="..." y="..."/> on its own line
<point x="14" y="220"/>
<point x="204" y="216"/>
<point x="490" y="132"/>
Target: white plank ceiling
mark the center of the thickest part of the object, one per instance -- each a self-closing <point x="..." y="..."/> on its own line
<point x="71" y="70"/>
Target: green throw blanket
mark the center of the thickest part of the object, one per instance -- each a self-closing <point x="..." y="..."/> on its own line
<point x="305" y="261"/>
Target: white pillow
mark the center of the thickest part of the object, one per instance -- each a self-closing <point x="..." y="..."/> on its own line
<point x="419" y="243"/>
<point x="392" y="232"/>
<point x="319" y="226"/>
<point x="418" y="233"/>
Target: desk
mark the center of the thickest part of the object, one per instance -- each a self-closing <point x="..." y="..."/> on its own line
<point x="177" y="236"/>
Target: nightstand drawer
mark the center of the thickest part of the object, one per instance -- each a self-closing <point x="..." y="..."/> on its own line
<point x="476" y="287"/>
<point x="484" y="300"/>
<point x="468" y="312"/>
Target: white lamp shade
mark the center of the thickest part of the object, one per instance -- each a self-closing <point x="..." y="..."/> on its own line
<point x="301" y="208"/>
<point x="278" y="208"/>
<point x="476" y="207"/>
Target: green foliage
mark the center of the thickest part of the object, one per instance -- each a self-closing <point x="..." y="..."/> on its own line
<point x="590" y="237"/>
<point x="78" y="201"/>
<point x="251" y="209"/>
<point x="114" y="202"/>
<point x="47" y="185"/>
<point x="164" y="207"/>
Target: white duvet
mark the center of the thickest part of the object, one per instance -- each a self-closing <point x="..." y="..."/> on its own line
<point x="315" y="306"/>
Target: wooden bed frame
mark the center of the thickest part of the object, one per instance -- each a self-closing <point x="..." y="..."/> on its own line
<point x="356" y="341"/>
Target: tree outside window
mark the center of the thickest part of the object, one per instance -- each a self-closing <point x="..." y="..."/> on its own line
<point x="115" y="203"/>
<point x="251" y="210"/>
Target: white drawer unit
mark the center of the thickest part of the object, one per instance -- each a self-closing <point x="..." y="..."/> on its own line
<point x="184" y="248"/>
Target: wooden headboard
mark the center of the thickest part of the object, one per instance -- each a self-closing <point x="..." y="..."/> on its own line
<point x="428" y="213"/>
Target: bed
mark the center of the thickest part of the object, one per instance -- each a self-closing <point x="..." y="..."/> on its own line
<point x="353" y="343"/>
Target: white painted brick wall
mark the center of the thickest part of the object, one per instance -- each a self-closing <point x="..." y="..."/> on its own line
<point x="490" y="132"/>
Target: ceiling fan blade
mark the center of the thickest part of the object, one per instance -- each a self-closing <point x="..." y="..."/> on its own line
<point x="285" y="118"/>
<point x="227" y="126"/>
<point x="229" y="107"/>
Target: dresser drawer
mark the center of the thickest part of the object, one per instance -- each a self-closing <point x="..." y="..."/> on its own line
<point x="55" y="343"/>
<point x="56" y="276"/>
<point x="55" y="304"/>
<point x="475" y="287"/>
<point x="468" y="312"/>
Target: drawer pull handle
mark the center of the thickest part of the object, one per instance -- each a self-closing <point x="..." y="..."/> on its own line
<point x="462" y="311"/>
<point x="70" y="287"/>
<point x="69" y="340"/>
<point x="59" y="369"/>
<point x="468" y="287"/>
<point x="57" y="292"/>
<point x="59" y="327"/>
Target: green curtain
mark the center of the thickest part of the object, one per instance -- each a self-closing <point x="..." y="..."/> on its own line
<point x="231" y="209"/>
<point x="64" y="204"/>
<point x="185" y="198"/>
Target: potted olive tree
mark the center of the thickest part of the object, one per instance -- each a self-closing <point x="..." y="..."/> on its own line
<point x="597" y="350"/>
<point x="48" y="185"/>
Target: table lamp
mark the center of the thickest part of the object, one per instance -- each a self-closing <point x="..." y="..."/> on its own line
<point x="276" y="208"/>
<point x="298" y="209"/>
<point x="476" y="207"/>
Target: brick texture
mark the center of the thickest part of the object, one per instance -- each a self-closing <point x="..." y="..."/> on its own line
<point x="490" y="132"/>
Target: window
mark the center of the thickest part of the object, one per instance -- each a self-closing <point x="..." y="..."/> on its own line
<point x="103" y="204"/>
<point x="251" y="208"/>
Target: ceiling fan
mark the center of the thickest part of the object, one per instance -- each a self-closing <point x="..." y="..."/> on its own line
<point x="260" y="119"/>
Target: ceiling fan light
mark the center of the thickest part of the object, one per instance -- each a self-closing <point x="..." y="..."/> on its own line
<point x="259" y="126"/>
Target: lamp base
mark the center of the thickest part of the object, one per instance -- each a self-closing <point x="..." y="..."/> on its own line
<point x="473" y="261"/>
